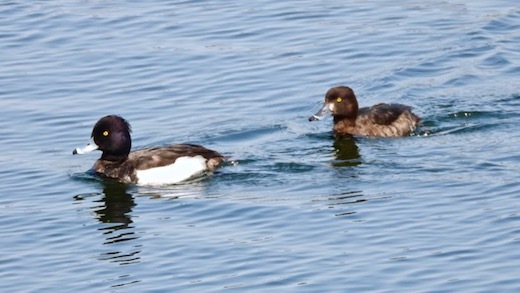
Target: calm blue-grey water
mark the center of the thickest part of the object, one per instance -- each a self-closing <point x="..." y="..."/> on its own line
<point x="294" y="209"/>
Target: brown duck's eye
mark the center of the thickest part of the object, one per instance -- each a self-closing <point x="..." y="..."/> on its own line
<point x="105" y="133"/>
<point x="339" y="99"/>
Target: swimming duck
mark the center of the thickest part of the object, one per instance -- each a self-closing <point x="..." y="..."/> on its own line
<point x="380" y="120"/>
<point x="151" y="166"/>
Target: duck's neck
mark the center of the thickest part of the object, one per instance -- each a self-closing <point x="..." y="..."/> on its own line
<point x="345" y="120"/>
<point x="113" y="157"/>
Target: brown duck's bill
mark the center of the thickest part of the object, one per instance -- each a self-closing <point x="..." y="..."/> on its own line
<point x="91" y="146"/>
<point x="321" y="113"/>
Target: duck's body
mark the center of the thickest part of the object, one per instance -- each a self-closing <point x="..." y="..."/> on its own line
<point x="158" y="165"/>
<point x="384" y="120"/>
<point x="161" y="165"/>
<point x="381" y="120"/>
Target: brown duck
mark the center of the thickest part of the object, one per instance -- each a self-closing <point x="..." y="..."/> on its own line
<point x="380" y="120"/>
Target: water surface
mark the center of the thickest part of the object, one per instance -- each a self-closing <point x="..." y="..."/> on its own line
<point x="294" y="209"/>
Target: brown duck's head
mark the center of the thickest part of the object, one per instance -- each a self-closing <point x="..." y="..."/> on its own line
<point x="340" y="101"/>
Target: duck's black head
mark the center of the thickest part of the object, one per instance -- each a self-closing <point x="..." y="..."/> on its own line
<point x="111" y="135"/>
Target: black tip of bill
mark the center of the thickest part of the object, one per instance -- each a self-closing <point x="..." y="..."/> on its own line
<point x="314" y="118"/>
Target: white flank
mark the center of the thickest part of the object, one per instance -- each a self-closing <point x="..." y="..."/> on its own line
<point x="184" y="168"/>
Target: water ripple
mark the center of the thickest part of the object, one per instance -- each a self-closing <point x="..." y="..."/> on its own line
<point x="294" y="209"/>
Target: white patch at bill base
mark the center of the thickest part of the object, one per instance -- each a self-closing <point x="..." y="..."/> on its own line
<point x="182" y="169"/>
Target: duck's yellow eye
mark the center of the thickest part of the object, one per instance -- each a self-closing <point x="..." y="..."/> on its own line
<point x="105" y="133"/>
<point x="339" y="100"/>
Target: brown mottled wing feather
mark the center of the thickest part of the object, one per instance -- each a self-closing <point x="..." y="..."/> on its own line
<point x="384" y="114"/>
<point x="162" y="156"/>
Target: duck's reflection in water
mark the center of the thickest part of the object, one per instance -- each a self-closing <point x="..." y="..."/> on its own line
<point x="114" y="210"/>
<point x="346" y="153"/>
<point x="347" y="157"/>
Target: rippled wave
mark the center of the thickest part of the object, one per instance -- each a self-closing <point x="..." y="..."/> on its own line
<point x="294" y="208"/>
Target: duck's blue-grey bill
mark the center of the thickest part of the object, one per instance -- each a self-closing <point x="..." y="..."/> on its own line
<point x="91" y="146"/>
<point x="320" y="114"/>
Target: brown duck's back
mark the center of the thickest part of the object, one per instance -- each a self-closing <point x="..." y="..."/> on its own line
<point x="383" y="120"/>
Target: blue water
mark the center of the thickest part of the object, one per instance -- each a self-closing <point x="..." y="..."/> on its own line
<point x="294" y="209"/>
